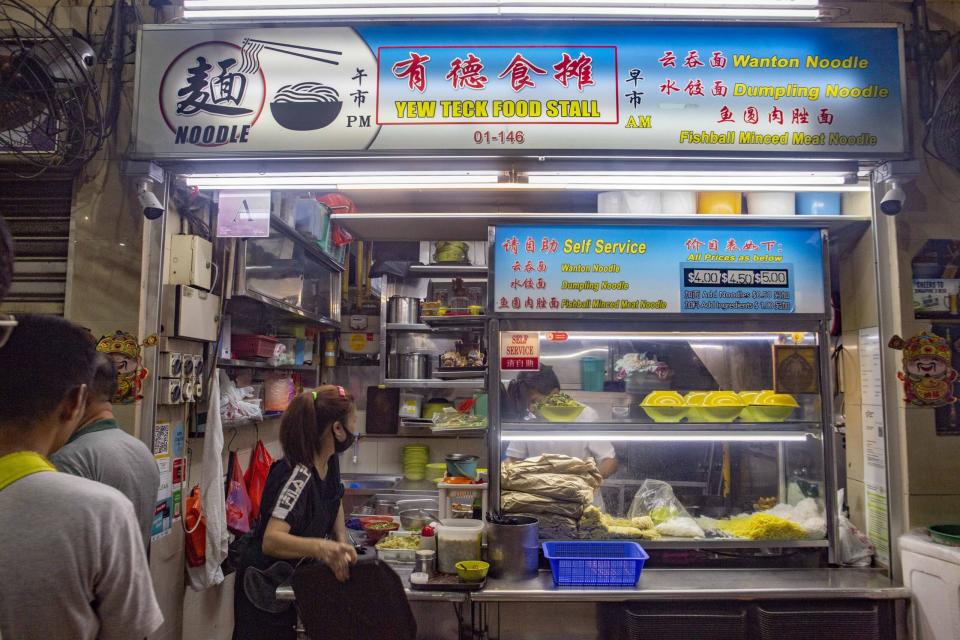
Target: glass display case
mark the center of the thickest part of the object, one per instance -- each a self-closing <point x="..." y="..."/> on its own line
<point x="697" y="435"/>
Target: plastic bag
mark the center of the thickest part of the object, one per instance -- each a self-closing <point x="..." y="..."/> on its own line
<point x="856" y="550"/>
<point x="238" y="502"/>
<point x="233" y="401"/>
<point x="256" y="476"/>
<point x="195" y="529"/>
<point x="656" y="499"/>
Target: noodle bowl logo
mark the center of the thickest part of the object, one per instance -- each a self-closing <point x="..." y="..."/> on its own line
<point x="306" y="106"/>
<point x="212" y="93"/>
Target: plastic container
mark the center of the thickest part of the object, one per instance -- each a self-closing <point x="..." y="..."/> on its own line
<point x="592" y="373"/>
<point x="771" y="203"/>
<point x="720" y="203"/>
<point x="643" y="202"/>
<point x="595" y="564"/>
<point x="678" y="203"/>
<point x="277" y="391"/>
<point x="457" y="541"/>
<point x="246" y="345"/>
<point x="462" y="466"/>
<point x="818" y="203"/>
<point x="410" y="405"/>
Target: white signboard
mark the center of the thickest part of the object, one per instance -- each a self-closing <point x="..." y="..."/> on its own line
<point x="520" y="351"/>
<point x="874" y="444"/>
<point x="243" y="214"/>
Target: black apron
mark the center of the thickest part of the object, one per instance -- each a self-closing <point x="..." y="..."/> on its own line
<point x="311" y="512"/>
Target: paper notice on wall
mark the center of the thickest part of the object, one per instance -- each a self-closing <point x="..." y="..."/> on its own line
<point x="874" y="443"/>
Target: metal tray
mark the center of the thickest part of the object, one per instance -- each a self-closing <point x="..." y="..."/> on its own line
<point x="459" y="373"/>
<point x="443" y="582"/>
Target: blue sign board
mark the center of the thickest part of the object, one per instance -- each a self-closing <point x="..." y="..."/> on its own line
<point x="652" y="269"/>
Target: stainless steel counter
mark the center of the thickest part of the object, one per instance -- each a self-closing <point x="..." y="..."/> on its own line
<point x="285" y="592"/>
<point x="707" y="584"/>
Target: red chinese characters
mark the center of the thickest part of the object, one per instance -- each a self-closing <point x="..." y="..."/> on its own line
<point x="669" y="87"/>
<point x="718" y="60"/>
<point x="825" y="117"/>
<point x="726" y="115"/>
<point x="719" y="89"/>
<point x="668" y="60"/>
<point x="775" y="116"/>
<point x="692" y="60"/>
<point x="519" y="71"/>
<point x="694" y="88"/>
<point x="467" y="74"/>
<point x="530" y="246"/>
<point x="511" y="245"/>
<point x="800" y="116"/>
<point x="579" y="68"/>
<point x="751" y="115"/>
<point x="549" y="245"/>
<point x="693" y="244"/>
<point x="750" y="245"/>
<point x="414" y="70"/>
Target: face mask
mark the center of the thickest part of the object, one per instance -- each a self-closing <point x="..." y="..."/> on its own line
<point x="347" y="442"/>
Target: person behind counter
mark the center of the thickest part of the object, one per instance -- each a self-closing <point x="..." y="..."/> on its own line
<point x="301" y="515"/>
<point x="523" y="393"/>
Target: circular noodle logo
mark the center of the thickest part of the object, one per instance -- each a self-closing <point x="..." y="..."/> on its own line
<point x="212" y="93"/>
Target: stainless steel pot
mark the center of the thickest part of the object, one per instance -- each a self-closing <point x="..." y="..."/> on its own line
<point x="403" y="310"/>
<point x="514" y="549"/>
<point x="414" y="366"/>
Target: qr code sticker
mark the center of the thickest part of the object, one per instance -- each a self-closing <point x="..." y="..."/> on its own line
<point x="161" y="439"/>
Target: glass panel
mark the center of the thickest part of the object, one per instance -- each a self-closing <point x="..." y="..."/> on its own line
<point x="722" y="486"/>
<point x="280" y="269"/>
<point x="641" y="377"/>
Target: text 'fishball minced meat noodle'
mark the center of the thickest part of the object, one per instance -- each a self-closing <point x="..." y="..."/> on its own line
<point x="305" y="106"/>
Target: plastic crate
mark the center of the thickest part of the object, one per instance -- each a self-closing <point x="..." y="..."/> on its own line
<point x="819" y="620"/>
<point x="595" y="564"/>
<point x="684" y="621"/>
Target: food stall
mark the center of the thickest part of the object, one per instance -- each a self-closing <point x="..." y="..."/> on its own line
<point x="658" y="225"/>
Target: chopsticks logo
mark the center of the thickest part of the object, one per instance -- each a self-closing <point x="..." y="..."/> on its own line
<point x="214" y="92"/>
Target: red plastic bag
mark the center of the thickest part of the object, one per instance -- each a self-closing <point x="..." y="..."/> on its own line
<point x="195" y="529"/>
<point x="256" y="476"/>
<point x="238" y="502"/>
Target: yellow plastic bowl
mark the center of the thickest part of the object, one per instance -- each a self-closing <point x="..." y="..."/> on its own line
<point x="721" y="406"/>
<point x="769" y="406"/>
<point x="720" y="203"/>
<point x="694" y="400"/>
<point x="561" y="414"/>
<point x="472" y="570"/>
<point x="664" y="406"/>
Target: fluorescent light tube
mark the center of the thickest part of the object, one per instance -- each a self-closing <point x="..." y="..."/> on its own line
<point x="640" y="436"/>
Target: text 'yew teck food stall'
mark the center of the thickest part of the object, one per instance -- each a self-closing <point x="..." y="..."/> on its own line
<point x="664" y="220"/>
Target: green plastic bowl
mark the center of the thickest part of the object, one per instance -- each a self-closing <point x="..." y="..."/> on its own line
<point x="472" y="570"/>
<point x="948" y="534"/>
<point x="561" y="414"/>
<point x="665" y="413"/>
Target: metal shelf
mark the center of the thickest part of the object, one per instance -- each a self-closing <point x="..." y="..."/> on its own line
<point x="449" y="270"/>
<point x="294" y="312"/>
<point x="454" y="321"/>
<point x="431" y="328"/>
<point x="253" y="364"/>
<point x="473" y="226"/>
<point x="309" y="245"/>
<point x="728" y="543"/>
<point x="660" y="433"/>
<point x="428" y="434"/>
<point x="473" y="383"/>
<point x="669" y="427"/>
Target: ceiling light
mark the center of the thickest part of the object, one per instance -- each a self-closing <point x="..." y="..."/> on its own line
<point x="346" y="181"/>
<point x="696" y="9"/>
<point x="641" y="436"/>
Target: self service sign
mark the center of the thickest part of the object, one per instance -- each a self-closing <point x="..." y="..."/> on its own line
<point x="515" y="88"/>
<point x="618" y="269"/>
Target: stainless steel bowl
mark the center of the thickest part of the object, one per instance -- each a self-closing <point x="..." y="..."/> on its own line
<point x="416" y="519"/>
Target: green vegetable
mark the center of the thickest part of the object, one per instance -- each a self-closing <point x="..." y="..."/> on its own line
<point x="558" y="399"/>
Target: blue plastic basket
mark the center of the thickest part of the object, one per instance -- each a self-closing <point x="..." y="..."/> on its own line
<point x="595" y="564"/>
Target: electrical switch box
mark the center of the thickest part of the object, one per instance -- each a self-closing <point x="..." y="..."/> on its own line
<point x="171" y="365"/>
<point x="171" y="392"/>
<point x="191" y="261"/>
<point x="197" y="366"/>
<point x="190" y="313"/>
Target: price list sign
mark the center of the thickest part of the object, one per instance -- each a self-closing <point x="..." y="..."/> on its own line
<point x="721" y="290"/>
<point x="648" y="270"/>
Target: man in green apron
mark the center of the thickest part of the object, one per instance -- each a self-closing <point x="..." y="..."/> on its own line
<point x="71" y="554"/>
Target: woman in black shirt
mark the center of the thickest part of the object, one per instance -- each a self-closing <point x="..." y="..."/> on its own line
<point x="301" y="515"/>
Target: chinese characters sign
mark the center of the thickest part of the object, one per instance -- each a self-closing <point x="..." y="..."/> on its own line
<point x="497" y="84"/>
<point x="559" y="270"/>
<point x="723" y="89"/>
<point x="520" y="351"/>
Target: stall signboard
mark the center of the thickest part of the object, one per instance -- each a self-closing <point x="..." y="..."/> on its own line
<point x="735" y="90"/>
<point x="520" y="351"/>
<point x="653" y="269"/>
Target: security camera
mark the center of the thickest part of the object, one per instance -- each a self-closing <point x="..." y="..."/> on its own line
<point x="893" y="198"/>
<point x="152" y="208"/>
